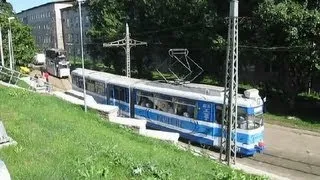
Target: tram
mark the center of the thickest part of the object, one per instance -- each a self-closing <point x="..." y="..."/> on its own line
<point x="192" y="110"/>
<point x="57" y="63"/>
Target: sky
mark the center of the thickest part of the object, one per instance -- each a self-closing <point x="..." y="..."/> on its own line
<point x="19" y="5"/>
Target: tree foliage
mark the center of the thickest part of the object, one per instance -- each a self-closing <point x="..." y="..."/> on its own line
<point x="295" y="27"/>
<point x="290" y="26"/>
<point x="23" y="43"/>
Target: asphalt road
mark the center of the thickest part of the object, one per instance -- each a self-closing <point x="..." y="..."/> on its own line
<point x="59" y="84"/>
<point x="290" y="153"/>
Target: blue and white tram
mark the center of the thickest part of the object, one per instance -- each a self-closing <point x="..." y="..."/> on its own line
<point x="193" y="110"/>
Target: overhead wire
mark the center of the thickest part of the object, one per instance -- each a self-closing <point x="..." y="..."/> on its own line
<point x="245" y="47"/>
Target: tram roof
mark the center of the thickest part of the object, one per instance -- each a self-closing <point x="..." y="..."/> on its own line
<point x="108" y="77"/>
<point x="190" y="87"/>
<point x="192" y="93"/>
<point x="190" y="90"/>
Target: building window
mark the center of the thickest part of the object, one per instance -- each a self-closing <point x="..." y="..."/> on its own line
<point x="77" y="38"/>
<point x="68" y="22"/>
<point x="69" y="37"/>
<point x="87" y="19"/>
<point x="77" y="21"/>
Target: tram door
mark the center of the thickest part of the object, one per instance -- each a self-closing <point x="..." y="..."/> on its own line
<point x="120" y="99"/>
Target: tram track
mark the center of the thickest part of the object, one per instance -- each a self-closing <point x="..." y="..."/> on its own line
<point x="287" y="163"/>
<point x="268" y="162"/>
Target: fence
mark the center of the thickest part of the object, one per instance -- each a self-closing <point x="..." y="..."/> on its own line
<point x="25" y="81"/>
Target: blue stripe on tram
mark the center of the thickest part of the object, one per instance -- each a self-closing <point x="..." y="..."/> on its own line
<point x="190" y="125"/>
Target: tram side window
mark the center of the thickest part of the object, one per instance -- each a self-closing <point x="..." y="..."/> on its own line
<point x="76" y="80"/>
<point x="80" y="83"/>
<point x="185" y="107"/>
<point x="120" y="94"/>
<point x="145" y="99"/>
<point x="90" y="85"/>
<point x="242" y="118"/>
<point x="99" y="88"/>
<point x="163" y="103"/>
<point x="111" y="93"/>
<point x="219" y="114"/>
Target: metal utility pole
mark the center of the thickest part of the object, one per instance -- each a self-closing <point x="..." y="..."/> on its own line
<point x="12" y="64"/>
<point x="1" y="49"/>
<point x="126" y="43"/>
<point x="229" y="114"/>
<point x="9" y="46"/>
<point x="82" y="59"/>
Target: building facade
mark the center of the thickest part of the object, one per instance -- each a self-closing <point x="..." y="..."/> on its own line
<point x="71" y="30"/>
<point x="46" y="23"/>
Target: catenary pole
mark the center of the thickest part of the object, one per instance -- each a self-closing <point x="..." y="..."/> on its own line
<point x="228" y="149"/>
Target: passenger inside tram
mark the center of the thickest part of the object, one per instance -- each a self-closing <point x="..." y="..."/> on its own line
<point x="145" y="102"/>
<point x="184" y="110"/>
<point x="164" y="106"/>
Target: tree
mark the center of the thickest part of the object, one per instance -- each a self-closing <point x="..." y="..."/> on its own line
<point x="107" y="18"/>
<point x="163" y="24"/>
<point x="293" y="28"/>
<point x="24" y="45"/>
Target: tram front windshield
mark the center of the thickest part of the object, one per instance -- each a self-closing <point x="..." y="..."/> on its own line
<point x="63" y="66"/>
<point x="249" y="122"/>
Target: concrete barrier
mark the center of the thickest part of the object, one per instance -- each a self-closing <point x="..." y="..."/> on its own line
<point x="136" y="123"/>
<point x="167" y="136"/>
<point x="108" y="109"/>
<point x="80" y="95"/>
<point x="4" y="173"/>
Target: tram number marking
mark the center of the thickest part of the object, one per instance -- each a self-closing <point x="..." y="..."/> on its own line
<point x="171" y="121"/>
<point x="206" y="111"/>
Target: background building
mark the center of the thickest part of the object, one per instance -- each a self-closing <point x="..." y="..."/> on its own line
<point x="46" y="23"/>
<point x="71" y="30"/>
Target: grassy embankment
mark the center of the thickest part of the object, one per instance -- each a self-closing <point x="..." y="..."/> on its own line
<point x="57" y="140"/>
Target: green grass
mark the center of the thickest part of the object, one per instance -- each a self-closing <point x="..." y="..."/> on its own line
<point x="313" y="95"/>
<point x="57" y="140"/>
<point x="157" y="76"/>
<point x="297" y="123"/>
<point x="23" y="84"/>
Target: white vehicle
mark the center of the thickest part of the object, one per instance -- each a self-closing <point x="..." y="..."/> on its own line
<point x="57" y="63"/>
<point x="39" y="59"/>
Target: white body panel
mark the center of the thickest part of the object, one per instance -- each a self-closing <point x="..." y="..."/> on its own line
<point x="39" y="58"/>
<point x="64" y="72"/>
